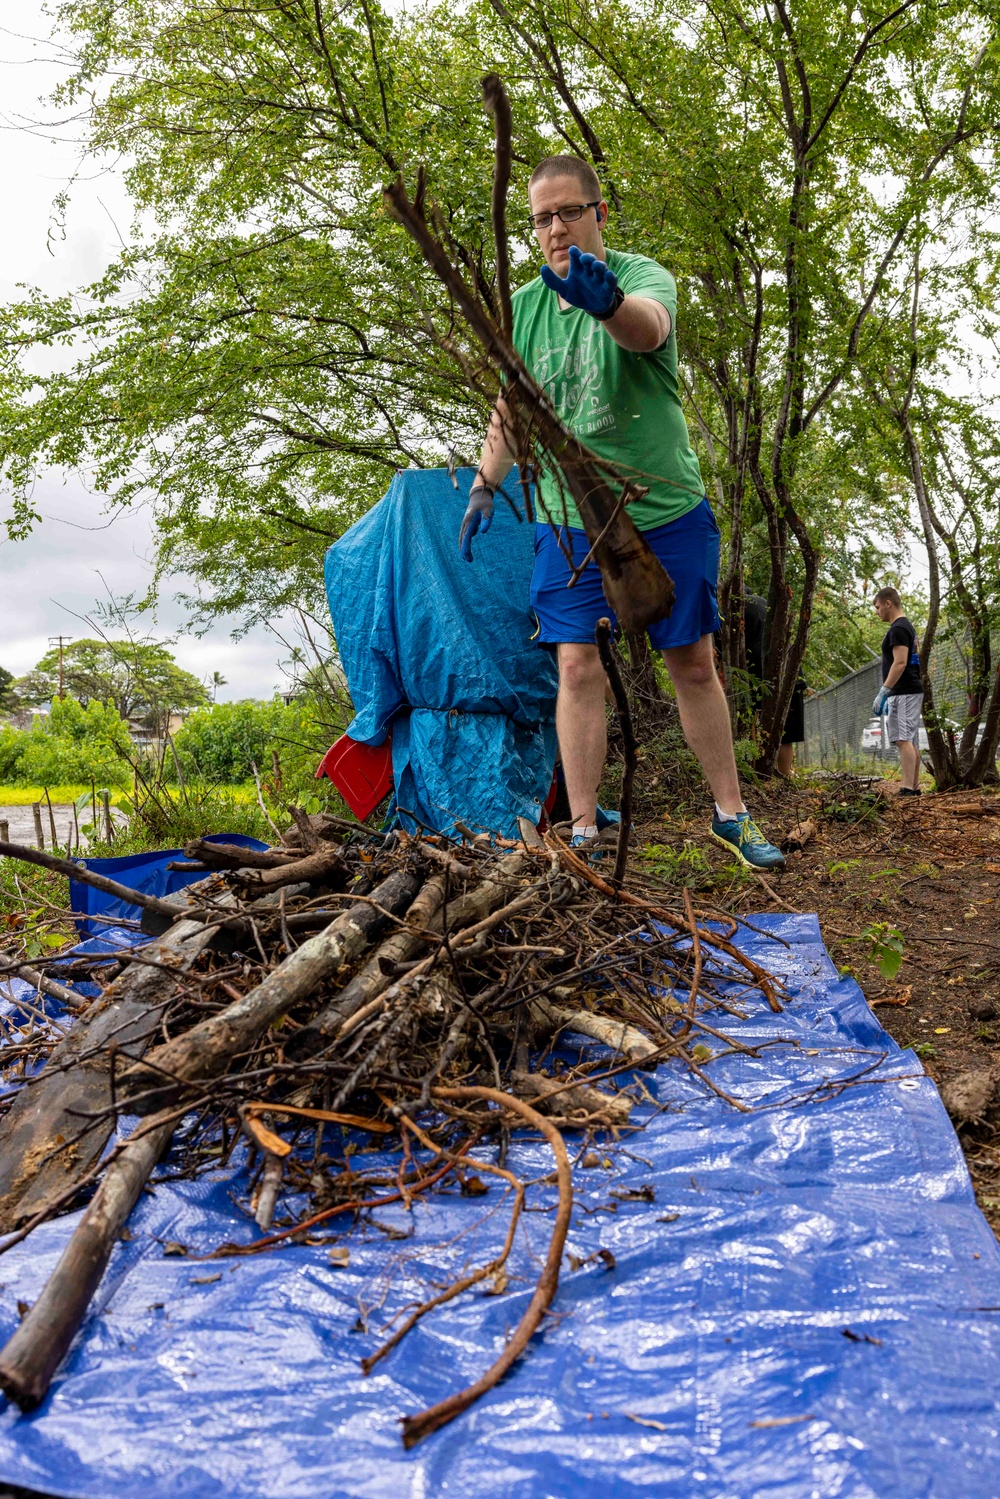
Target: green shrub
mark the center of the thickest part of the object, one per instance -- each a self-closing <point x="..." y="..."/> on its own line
<point x="222" y="744"/>
<point x="73" y="745"/>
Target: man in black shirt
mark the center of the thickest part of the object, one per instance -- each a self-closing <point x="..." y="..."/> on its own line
<point x="901" y="688"/>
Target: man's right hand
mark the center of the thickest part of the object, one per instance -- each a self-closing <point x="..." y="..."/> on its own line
<point x="477" y="519"/>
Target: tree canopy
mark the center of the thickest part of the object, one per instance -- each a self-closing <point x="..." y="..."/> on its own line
<point x="139" y="679"/>
<point x="269" y="348"/>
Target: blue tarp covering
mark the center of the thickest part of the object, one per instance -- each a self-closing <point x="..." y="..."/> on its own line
<point x="147" y="873"/>
<point x="808" y="1309"/>
<point x="419" y="629"/>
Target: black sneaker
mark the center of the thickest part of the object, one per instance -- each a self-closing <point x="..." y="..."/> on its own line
<point x="909" y="791"/>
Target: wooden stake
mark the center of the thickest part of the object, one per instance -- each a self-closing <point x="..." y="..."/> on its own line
<point x="38" y="1347"/>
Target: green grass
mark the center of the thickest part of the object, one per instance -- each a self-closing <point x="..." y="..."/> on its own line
<point x="24" y="796"/>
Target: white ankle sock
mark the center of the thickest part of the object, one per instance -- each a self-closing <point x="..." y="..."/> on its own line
<point x="728" y="816"/>
<point x="581" y="832"/>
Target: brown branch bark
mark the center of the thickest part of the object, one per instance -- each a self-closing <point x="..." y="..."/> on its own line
<point x="416" y="1427"/>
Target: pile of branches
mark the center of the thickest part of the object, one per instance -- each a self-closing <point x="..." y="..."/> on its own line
<point x="345" y="981"/>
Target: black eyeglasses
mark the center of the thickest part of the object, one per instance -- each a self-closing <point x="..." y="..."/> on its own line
<point x="569" y="215"/>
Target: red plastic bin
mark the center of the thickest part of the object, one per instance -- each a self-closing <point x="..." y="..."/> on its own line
<point x="362" y="773"/>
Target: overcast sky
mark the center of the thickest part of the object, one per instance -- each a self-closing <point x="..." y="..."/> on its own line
<point x="79" y="555"/>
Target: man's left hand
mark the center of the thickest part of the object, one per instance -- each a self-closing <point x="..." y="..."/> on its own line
<point x="589" y="284"/>
<point x="878" y="706"/>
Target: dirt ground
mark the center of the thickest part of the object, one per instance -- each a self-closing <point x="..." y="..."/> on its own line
<point x="924" y="868"/>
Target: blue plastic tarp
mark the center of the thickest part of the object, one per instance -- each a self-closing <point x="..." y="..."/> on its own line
<point x="440" y="654"/>
<point x="147" y="873"/>
<point x="807" y="1309"/>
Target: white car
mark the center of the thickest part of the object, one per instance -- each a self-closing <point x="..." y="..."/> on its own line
<point x="871" y="736"/>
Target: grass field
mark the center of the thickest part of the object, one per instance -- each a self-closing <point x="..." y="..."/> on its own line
<point x="24" y="796"/>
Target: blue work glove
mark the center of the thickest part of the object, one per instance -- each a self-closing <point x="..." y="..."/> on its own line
<point x="878" y="706"/>
<point x="590" y="284"/>
<point x="477" y="519"/>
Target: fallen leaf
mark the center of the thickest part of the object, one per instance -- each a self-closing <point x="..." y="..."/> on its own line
<point x="942" y="1030"/>
<point x="499" y="1284"/>
<point x="126" y="1234"/>
<point x="23" y="1308"/>
<point x="206" y="1280"/>
<point x="702" y="1054"/>
<point x="340" y="1258"/>
<point x="668" y="1217"/>
<point x="172" y="1247"/>
<point x="645" y="1193"/>
<point x="590" y="1160"/>
<point x="474" y="1186"/>
<point x="902" y="998"/>
<point x="645" y="1421"/>
<point x="783" y="1421"/>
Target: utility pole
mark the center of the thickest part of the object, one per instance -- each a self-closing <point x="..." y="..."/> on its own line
<point x="60" y="641"/>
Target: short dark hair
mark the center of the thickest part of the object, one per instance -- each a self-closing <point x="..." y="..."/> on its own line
<point x="888" y="596"/>
<point x="569" y="166"/>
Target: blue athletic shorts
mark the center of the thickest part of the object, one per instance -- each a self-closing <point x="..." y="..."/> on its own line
<point x="688" y="548"/>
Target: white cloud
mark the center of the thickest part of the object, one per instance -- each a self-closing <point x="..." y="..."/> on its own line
<point x="64" y="570"/>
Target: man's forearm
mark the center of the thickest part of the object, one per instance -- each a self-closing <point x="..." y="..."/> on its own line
<point x="895" y="672"/>
<point x="640" y="325"/>
<point x="497" y="456"/>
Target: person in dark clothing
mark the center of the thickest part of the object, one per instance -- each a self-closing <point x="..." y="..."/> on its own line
<point x="902" y="692"/>
<point x="755" y="634"/>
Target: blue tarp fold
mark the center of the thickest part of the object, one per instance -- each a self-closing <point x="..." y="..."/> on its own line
<point x="440" y="654"/>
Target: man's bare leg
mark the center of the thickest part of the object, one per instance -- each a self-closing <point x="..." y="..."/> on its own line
<point x="705" y="719"/>
<point x="786" y="758"/>
<point x="909" y="763"/>
<point x="581" y="727"/>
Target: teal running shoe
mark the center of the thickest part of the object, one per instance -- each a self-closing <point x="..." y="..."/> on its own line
<point x="742" y="836"/>
<point x="588" y="848"/>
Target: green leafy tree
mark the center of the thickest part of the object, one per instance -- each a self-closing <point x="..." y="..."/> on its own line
<point x="140" y="679"/>
<point x="273" y="349"/>
<point x="7" y="697"/>
<point x="71" y="745"/>
<point x="228" y="743"/>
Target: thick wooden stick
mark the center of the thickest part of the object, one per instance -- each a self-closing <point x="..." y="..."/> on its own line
<point x="55" y="1129"/>
<point x="606" y="652"/>
<point x="37" y="1348"/>
<point x="320" y="866"/>
<point x="205" y="1050"/>
<point x="45" y="985"/>
<point x="497" y="104"/>
<point x="614" y="1033"/>
<point x="80" y="872"/>
<point x="425" y="915"/>
<point x="415" y="1428"/>
<point x="231" y="856"/>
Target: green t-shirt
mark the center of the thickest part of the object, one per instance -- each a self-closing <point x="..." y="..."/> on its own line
<point x="625" y="407"/>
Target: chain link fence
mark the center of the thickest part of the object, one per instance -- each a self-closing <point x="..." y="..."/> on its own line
<point x="839" y="724"/>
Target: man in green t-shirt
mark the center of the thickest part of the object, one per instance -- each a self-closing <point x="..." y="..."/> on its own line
<point x="597" y="330"/>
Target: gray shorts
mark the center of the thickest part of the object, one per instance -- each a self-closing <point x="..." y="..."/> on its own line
<point x="904" y="717"/>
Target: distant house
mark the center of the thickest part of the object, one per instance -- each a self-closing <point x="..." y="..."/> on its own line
<point x="24" y="718"/>
<point x="144" y="737"/>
